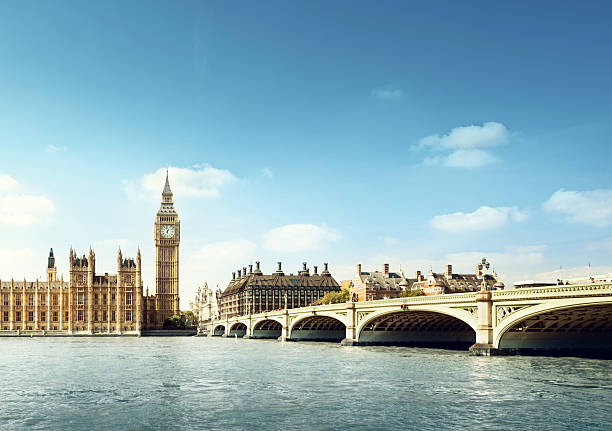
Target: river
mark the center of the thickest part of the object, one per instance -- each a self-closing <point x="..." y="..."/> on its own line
<point x="192" y="383"/>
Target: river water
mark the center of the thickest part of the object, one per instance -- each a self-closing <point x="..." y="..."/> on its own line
<point x="190" y="383"/>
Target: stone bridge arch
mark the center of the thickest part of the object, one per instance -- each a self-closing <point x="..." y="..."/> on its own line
<point x="418" y="325"/>
<point x="318" y="326"/>
<point x="560" y="324"/>
<point x="268" y="327"/>
<point x="238" y="329"/>
<point x="218" y="330"/>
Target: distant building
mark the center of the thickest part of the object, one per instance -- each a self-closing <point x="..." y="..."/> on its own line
<point x="205" y="304"/>
<point x="449" y="282"/>
<point x="368" y="286"/>
<point x="254" y="292"/>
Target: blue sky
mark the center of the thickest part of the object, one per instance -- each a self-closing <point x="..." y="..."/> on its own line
<point x="346" y="132"/>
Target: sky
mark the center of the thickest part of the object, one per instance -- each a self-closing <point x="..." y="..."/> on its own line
<point x="414" y="134"/>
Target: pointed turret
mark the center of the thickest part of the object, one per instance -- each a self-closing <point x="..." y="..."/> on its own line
<point x="51" y="260"/>
<point x="167" y="191"/>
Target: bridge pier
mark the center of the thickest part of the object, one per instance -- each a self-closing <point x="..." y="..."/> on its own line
<point x="285" y="329"/>
<point x="351" y="328"/>
<point x="484" y="330"/>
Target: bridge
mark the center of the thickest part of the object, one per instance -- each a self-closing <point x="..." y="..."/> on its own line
<point x="556" y="318"/>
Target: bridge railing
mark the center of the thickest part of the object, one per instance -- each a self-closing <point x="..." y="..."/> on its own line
<point x="549" y="292"/>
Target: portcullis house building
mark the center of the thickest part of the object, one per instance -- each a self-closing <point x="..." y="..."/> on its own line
<point x="254" y="292"/>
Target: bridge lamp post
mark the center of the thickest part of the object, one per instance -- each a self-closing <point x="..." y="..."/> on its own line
<point x="483" y="267"/>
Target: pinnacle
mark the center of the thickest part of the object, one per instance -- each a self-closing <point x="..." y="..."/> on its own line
<point x="167" y="190"/>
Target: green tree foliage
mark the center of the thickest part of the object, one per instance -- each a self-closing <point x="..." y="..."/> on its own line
<point x="409" y="293"/>
<point x="334" y="297"/>
<point x="188" y="314"/>
<point x="174" y="322"/>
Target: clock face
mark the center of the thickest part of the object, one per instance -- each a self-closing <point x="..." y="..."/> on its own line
<point x="167" y="231"/>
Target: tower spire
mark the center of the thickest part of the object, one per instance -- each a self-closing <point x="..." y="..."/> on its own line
<point x="167" y="190"/>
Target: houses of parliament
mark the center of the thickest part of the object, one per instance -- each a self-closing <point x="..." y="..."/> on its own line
<point x="91" y="303"/>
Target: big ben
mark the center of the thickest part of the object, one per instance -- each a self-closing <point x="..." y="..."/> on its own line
<point x="167" y="237"/>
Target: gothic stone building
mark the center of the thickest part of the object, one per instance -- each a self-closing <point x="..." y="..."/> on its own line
<point x="93" y="303"/>
<point x="254" y="292"/>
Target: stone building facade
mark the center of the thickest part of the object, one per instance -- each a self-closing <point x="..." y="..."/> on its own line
<point x="449" y="282"/>
<point x="373" y="285"/>
<point x="255" y="292"/>
<point x="91" y="303"/>
<point x="87" y="302"/>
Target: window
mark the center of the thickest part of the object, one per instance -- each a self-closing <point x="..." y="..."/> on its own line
<point x="80" y="298"/>
<point x="80" y="315"/>
<point x="113" y="299"/>
<point x="67" y="317"/>
<point x="128" y="299"/>
<point x="30" y="316"/>
<point x="43" y="299"/>
<point x="54" y="299"/>
<point x="104" y="315"/>
<point x="104" y="299"/>
<point x="96" y="299"/>
<point x="43" y="316"/>
<point x="30" y="300"/>
<point x="113" y="316"/>
<point x="18" y="299"/>
<point x="55" y="316"/>
<point x="128" y="315"/>
<point x="6" y="316"/>
<point x="95" y="315"/>
<point x="6" y="299"/>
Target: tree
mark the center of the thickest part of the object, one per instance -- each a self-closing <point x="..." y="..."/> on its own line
<point x="410" y="293"/>
<point x="174" y="322"/>
<point x="334" y="297"/>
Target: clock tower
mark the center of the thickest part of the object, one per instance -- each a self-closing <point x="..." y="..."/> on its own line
<point x="167" y="236"/>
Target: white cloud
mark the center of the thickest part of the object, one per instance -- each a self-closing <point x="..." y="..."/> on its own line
<point x="388" y="93"/>
<point x="484" y="218"/>
<point x="463" y="146"/>
<point x="298" y="237"/>
<point x="592" y="207"/>
<point x="199" y="181"/>
<point x="462" y="159"/>
<point x="53" y="149"/>
<point x="23" y="210"/>
<point x="7" y="183"/>
<point x="267" y="172"/>
<point x="515" y="256"/>
<point x="226" y="251"/>
<point x="18" y="263"/>
<point x="576" y="272"/>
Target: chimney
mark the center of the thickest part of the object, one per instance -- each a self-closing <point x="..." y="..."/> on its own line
<point x="251" y="269"/>
<point x="244" y="271"/>
<point x="304" y="266"/>
<point x="417" y="275"/>
<point x="257" y="265"/>
<point x="448" y="271"/>
<point x="385" y="268"/>
<point x="315" y="269"/>
<point x="325" y="269"/>
<point x="233" y="275"/>
<point x="279" y="271"/>
<point x="358" y="269"/>
<point x="239" y="273"/>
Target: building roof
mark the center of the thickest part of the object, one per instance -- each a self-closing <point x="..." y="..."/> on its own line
<point x="455" y="283"/>
<point x="277" y="281"/>
<point x="385" y="281"/>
